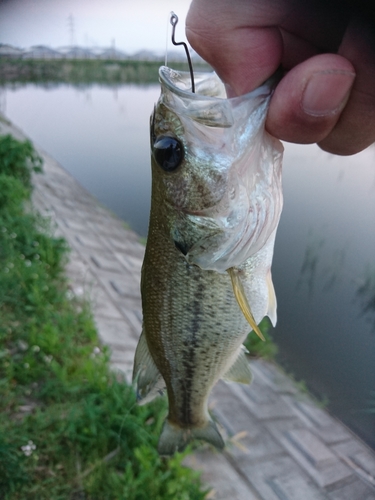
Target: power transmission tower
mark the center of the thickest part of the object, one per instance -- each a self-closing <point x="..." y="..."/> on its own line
<point x="71" y="29"/>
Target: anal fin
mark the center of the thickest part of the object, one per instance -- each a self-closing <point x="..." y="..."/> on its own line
<point x="239" y="293"/>
<point x="240" y="370"/>
<point x="146" y="376"/>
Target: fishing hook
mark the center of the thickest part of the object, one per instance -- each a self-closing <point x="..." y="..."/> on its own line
<point x="174" y="21"/>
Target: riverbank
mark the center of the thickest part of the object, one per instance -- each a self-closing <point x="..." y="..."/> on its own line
<point x="279" y="443"/>
<point x="79" y="72"/>
<point x="63" y="429"/>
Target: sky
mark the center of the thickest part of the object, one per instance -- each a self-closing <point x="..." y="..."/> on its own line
<point x="131" y="25"/>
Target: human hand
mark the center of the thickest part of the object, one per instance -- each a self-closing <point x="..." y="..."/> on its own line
<point x="327" y="94"/>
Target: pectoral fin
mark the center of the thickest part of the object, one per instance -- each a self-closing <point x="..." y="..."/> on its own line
<point x="240" y="370"/>
<point x="239" y="293"/>
<point x="146" y="376"/>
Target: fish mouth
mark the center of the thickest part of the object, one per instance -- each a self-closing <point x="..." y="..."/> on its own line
<point x="210" y="96"/>
<point x="179" y="82"/>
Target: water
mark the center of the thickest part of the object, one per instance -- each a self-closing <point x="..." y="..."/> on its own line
<point x="324" y="264"/>
<point x="324" y="275"/>
<point x="99" y="134"/>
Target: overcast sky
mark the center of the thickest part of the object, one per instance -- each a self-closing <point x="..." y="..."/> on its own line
<point x="132" y="24"/>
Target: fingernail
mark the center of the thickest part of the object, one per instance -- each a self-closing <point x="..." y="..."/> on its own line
<point x="326" y="92"/>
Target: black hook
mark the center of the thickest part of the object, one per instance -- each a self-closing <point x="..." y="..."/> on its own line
<point x="174" y="21"/>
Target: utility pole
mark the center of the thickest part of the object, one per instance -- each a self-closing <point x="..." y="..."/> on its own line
<point x="113" y="48"/>
<point x="71" y="30"/>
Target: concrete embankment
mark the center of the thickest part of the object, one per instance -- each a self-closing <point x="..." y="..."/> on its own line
<point x="281" y="445"/>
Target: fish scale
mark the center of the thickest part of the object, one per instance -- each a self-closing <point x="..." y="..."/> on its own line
<point x="202" y="340"/>
<point x="215" y="205"/>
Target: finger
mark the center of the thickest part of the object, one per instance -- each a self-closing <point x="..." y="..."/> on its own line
<point x="355" y="129"/>
<point x="308" y="101"/>
<point x="245" y="41"/>
<point x="243" y="56"/>
<point x="296" y="50"/>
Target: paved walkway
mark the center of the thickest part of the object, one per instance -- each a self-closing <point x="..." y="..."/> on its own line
<point x="280" y="445"/>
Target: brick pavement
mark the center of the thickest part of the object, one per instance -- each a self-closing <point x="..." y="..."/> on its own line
<point x="280" y="444"/>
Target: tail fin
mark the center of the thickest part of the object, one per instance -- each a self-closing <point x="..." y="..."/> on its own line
<point x="174" y="438"/>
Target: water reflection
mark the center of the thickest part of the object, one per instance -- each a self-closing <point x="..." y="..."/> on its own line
<point x="325" y="239"/>
<point x="335" y="270"/>
<point x="327" y="270"/>
<point x="309" y="268"/>
<point x="99" y="134"/>
<point x="366" y="295"/>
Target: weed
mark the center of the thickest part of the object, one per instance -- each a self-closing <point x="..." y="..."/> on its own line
<point x="257" y="347"/>
<point x="18" y="159"/>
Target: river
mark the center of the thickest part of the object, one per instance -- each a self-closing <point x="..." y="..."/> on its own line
<point x="324" y="263"/>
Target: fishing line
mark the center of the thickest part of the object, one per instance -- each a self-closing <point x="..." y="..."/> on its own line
<point x="167" y="39"/>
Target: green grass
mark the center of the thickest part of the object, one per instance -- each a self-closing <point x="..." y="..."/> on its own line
<point x="259" y="348"/>
<point x="69" y="427"/>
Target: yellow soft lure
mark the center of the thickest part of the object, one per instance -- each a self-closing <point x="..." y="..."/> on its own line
<point x="240" y="295"/>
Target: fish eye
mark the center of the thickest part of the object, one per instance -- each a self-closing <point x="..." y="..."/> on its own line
<point x="168" y="152"/>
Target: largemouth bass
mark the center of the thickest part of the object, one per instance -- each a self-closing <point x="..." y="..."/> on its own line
<point x="215" y="206"/>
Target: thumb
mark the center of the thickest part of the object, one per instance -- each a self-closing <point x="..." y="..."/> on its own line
<point x="308" y="101"/>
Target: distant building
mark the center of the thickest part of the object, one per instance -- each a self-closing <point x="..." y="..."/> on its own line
<point x="112" y="54"/>
<point x="177" y="55"/>
<point x="8" y="51"/>
<point x="96" y="51"/>
<point x="180" y="56"/>
<point x="145" y="55"/>
<point x="76" y="53"/>
<point x="79" y="53"/>
<point x="41" y="52"/>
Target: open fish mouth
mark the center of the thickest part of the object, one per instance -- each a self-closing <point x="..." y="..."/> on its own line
<point x="227" y="134"/>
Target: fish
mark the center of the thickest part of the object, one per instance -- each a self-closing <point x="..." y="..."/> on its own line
<point x="206" y="281"/>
